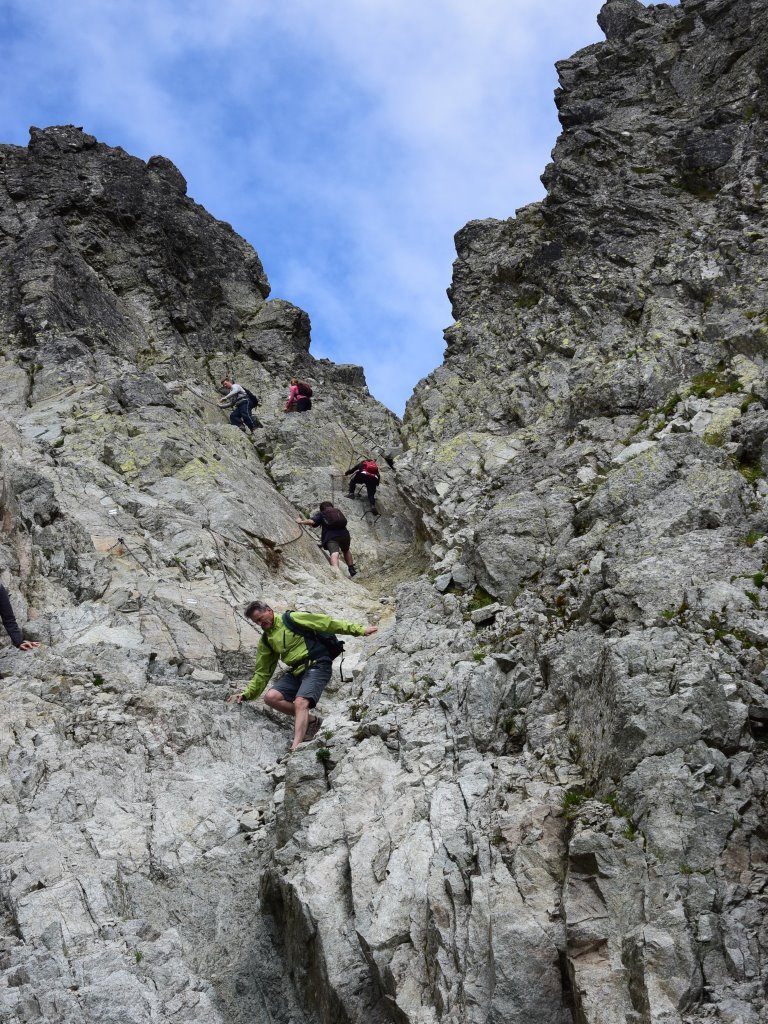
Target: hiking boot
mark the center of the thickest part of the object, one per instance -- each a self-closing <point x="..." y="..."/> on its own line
<point x="352" y="570"/>
<point x="315" y="721"/>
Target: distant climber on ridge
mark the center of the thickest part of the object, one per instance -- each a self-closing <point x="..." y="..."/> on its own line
<point x="334" y="536"/>
<point x="11" y="625"/>
<point x="242" y="401"/>
<point x="299" y="397"/>
<point x="304" y="641"/>
<point x="366" y="472"/>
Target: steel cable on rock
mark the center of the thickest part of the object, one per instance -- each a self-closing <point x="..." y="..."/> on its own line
<point x="373" y="444"/>
<point x="351" y="446"/>
<point x="156" y="573"/>
<point x="189" y="520"/>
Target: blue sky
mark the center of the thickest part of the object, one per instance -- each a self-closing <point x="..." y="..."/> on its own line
<point x="347" y="140"/>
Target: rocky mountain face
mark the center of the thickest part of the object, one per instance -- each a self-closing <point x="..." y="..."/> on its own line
<point x="542" y="797"/>
<point x="137" y="807"/>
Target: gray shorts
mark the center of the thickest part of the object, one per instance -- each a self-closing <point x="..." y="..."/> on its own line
<point x="338" y="545"/>
<point x="309" y="684"/>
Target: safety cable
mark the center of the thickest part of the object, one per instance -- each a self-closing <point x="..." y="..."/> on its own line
<point x="374" y="444"/>
<point x="119" y="512"/>
<point x="207" y="401"/>
<point x="121" y="543"/>
<point x="116" y="512"/>
<point x="224" y="571"/>
<point x="349" y="442"/>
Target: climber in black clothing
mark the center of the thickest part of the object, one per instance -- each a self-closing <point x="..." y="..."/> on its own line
<point x="334" y="535"/>
<point x="366" y="472"/>
<point x="11" y="625"/>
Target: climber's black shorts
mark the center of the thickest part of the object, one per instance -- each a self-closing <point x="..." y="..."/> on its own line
<point x="338" y="545"/>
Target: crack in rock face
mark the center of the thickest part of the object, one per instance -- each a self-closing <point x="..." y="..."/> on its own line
<point x="539" y="796"/>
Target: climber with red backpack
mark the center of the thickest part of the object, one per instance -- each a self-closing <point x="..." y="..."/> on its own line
<point x="334" y="536"/>
<point x="299" y="397"/>
<point x="366" y="472"/>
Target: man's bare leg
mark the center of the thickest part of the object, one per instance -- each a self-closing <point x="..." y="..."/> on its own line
<point x="335" y="560"/>
<point x="275" y="700"/>
<point x="301" y="720"/>
<point x="299" y="709"/>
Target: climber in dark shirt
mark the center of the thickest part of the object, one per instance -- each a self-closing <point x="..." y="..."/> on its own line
<point x="366" y="472"/>
<point x="11" y="625"/>
<point x="334" y="535"/>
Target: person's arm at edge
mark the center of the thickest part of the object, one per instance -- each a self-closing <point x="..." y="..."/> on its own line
<point x="9" y="619"/>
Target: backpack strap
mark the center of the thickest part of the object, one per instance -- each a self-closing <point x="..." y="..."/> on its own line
<point x="303" y="631"/>
<point x="311" y="634"/>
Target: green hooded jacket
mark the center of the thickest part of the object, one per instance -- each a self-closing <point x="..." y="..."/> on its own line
<point x="290" y="648"/>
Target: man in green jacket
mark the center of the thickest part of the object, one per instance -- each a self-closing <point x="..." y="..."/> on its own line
<point x="298" y="690"/>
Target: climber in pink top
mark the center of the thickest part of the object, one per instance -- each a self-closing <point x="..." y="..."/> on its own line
<point x="299" y="397"/>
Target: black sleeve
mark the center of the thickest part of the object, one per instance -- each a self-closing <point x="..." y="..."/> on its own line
<point x="9" y="620"/>
<point x="353" y="470"/>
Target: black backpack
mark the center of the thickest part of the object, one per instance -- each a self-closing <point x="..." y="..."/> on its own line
<point x="330" y="645"/>
<point x="305" y="391"/>
<point x="252" y="399"/>
<point x="334" y="518"/>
